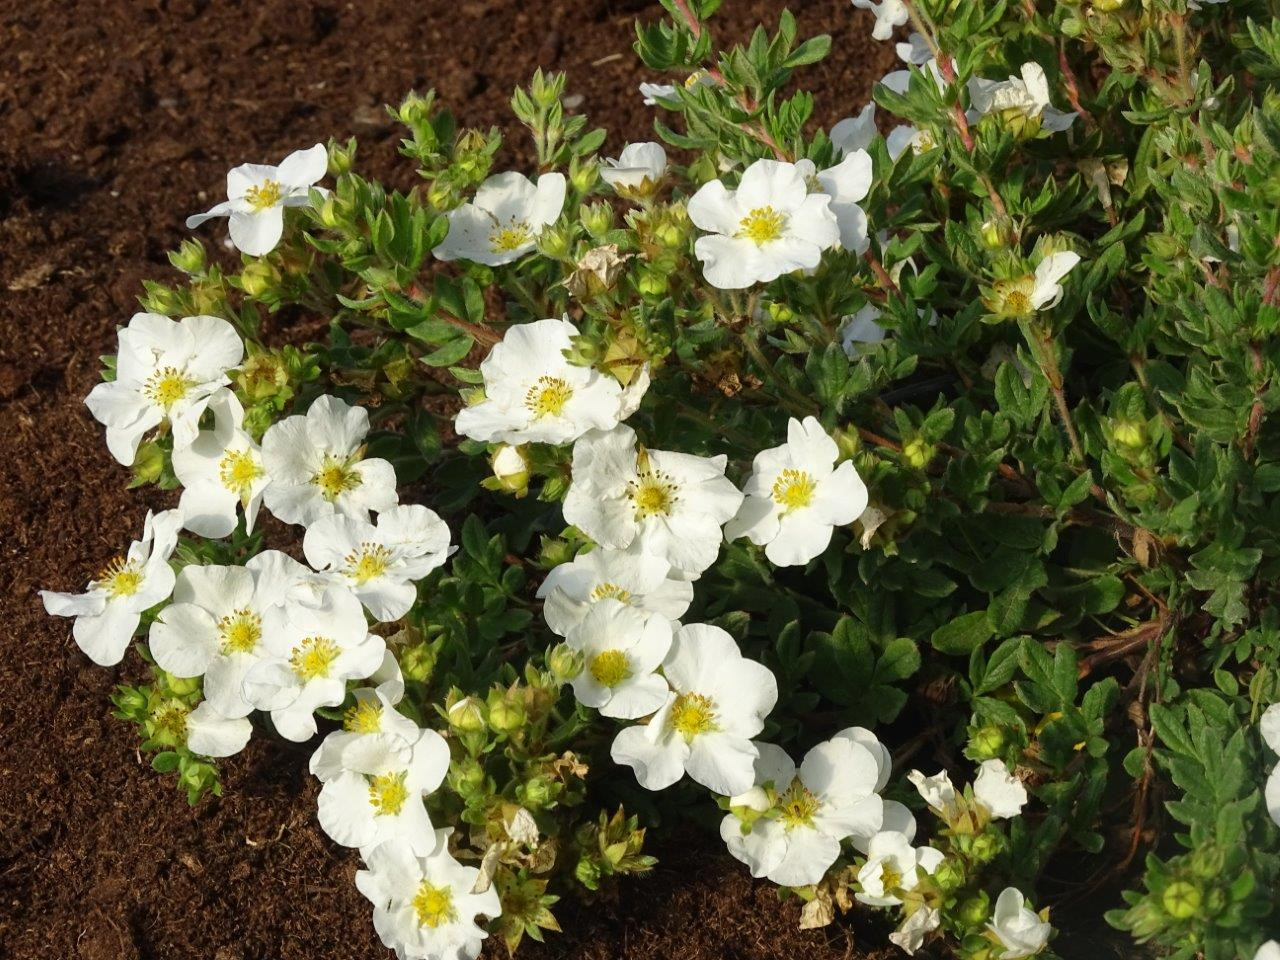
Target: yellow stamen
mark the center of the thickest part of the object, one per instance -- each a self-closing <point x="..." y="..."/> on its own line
<point x="692" y="714"/>
<point x="239" y="470"/>
<point x="368" y="563"/>
<point x="171" y="718"/>
<point x="364" y="717"/>
<point x="387" y="793"/>
<point x="240" y="631"/>
<point x="890" y="877"/>
<point x="167" y="386"/>
<point x="548" y="396"/>
<point x="653" y="493"/>
<point x="434" y="905"/>
<point x="797" y="806"/>
<point x="264" y="195"/>
<point x="312" y="659"/>
<point x="508" y="238"/>
<point x="762" y="225"/>
<point x="610" y="668"/>
<point x="120" y="578"/>
<point x="793" y="490"/>
<point x="1013" y="297"/>
<point x="611" y="591"/>
<point x="335" y="477"/>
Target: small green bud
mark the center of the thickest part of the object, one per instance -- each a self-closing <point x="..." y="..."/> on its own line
<point x="987" y="743"/>
<point x="418" y="662"/>
<point x="1207" y="862"/>
<point x="1131" y="434"/>
<point x="670" y="235"/>
<point x="917" y="453"/>
<point x="597" y="218"/>
<point x="556" y="242"/>
<point x="781" y="313"/>
<point x="564" y="662"/>
<point x="1181" y="900"/>
<point x="652" y="283"/>
<point x="506" y="714"/>
<point x="341" y="157"/>
<point x="996" y="234"/>
<point x="583" y="176"/>
<point x="950" y="875"/>
<point x="182" y="686"/>
<point x="975" y="910"/>
<point x="189" y="257"/>
<point x="847" y="442"/>
<point x="415" y="109"/>
<point x="467" y="715"/>
<point x="986" y="847"/>
<point x="467" y="777"/>
<point x="259" y="278"/>
<point x="539" y="792"/>
<point x="511" y="469"/>
<point x="148" y="464"/>
<point x="1108" y="6"/>
<point x="442" y="195"/>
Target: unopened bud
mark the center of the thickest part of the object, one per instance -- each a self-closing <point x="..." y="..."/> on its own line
<point x="975" y="910"/>
<point x="1181" y="900"/>
<point x="597" y="218"/>
<point x="418" y="662"/>
<point x="564" y="662"/>
<point x="259" y="278"/>
<point x="467" y="715"/>
<point x="510" y="470"/>
<point x="652" y="283"/>
<point x="1130" y="433"/>
<point x="189" y="257"/>
<point x="996" y="233"/>
<point x="341" y="157"/>
<point x="506" y="714"/>
<point x="917" y="453"/>
<point x="987" y="743"/>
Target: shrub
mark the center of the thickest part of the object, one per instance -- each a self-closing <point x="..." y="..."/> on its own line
<point x="961" y="433"/>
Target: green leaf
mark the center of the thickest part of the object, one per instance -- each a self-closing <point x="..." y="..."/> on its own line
<point x="964" y="634"/>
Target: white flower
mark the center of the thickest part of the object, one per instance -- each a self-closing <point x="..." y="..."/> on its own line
<point x="718" y="702"/>
<point x="855" y="133"/>
<point x="1269" y="727"/>
<point x="257" y="195"/>
<point x="211" y="734"/>
<point x="888" y="14"/>
<point x="796" y="495"/>
<point x="634" y="578"/>
<point x="317" y="466"/>
<point x="380" y="562"/>
<point x="903" y="138"/>
<point x="769" y="226"/>
<point x="910" y="935"/>
<point x="998" y="790"/>
<point x="846" y="183"/>
<point x="861" y="327"/>
<point x="166" y="371"/>
<point x="108" y="612"/>
<point x="373" y="714"/>
<point x="504" y="220"/>
<point x="1027" y="97"/>
<point x="831" y="797"/>
<point x="937" y="791"/>
<point x="534" y="395"/>
<point x="637" y="171"/>
<point x="1268" y="951"/>
<point x="377" y="797"/>
<point x="891" y="868"/>
<point x="215" y="626"/>
<point x="653" y="92"/>
<point x="310" y="652"/>
<point x="621" y="649"/>
<point x="220" y="471"/>
<point x="915" y="51"/>
<point x="1020" y="930"/>
<point x="895" y="816"/>
<point x="670" y="505"/>
<point x="424" y="908"/>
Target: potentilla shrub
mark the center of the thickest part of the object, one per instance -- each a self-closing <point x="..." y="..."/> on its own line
<point x="903" y="503"/>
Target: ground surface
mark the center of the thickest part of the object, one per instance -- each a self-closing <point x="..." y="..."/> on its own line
<point x="117" y="119"/>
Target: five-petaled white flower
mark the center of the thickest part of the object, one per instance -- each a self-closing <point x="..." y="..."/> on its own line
<point x="220" y="471"/>
<point x="888" y="14"/>
<point x="372" y="715"/>
<point x="533" y="394"/>
<point x="670" y="505"/>
<point x="309" y="654"/>
<point x="637" y="171"/>
<point x="855" y="133"/>
<point x="846" y="183"/>
<point x="215" y="626"/>
<point x="166" y="371"/>
<point x="770" y="225"/>
<point x="621" y="649"/>
<point x="108" y="612"/>
<point x="796" y="496"/>
<point x="1023" y="296"/>
<point x="1269" y="727"/>
<point x="832" y="796"/>
<point x="257" y="195"/>
<point x="377" y="797"/>
<point x="317" y="466"/>
<point x="504" y="220"/>
<point x="380" y="562"/>
<point x="1024" y="99"/>
<point x="1018" y="929"/>
<point x="630" y="576"/>
<point x="891" y="868"/>
<point x="425" y="908"/>
<point x="718" y="702"/>
<point x="995" y="789"/>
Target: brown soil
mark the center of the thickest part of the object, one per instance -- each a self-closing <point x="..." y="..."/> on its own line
<point x="117" y="119"/>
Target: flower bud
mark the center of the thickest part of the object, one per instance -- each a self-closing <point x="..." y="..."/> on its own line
<point x="467" y="715"/>
<point x="1181" y="900"/>
<point x="418" y="662"/>
<point x="539" y="792"/>
<point x="564" y="662"/>
<point x="506" y="714"/>
<point x="1130" y="433"/>
<point x="651" y="283"/>
<point x="597" y="218"/>
<point x="949" y="875"/>
<point x="189" y="257"/>
<point x="847" y="442"/>
<point x="781" y="313"/>
<point x="986" y="743"/>
<point x="669" y="233"/>
<point x="917" y="453"/>
<point x="986" y="847"/>
<point x="1207" y="862"/>
<point x="511" y="469"/>
<point x="182" y="686"/>
<point x="975" y="910"/>
<point x="996" y="233"/>
<point x="467" y="777"/>
<point x="259" y="278"/>
<point x="341" y="157"/>
<point x="583" y="176"/>
<point x="148" y="464"/>
<point x="556" y="242"/>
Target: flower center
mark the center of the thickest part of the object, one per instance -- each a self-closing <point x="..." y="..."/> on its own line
<point x="170" y="721"/>
<point x="433" y="905"/>
<point x="240" y="631"/>
<point x="120" y="578"/>
<point x="312" y="658"/>
<point x="167" y="386"/>
<point x="793" y="490"/>
<point x="238" y="470"/>
<point x="364" y="717"/>
<point x="762" y="225"/>
<point x="1013" y="297"/>
<point x="692" y="714"/>
<point x="387" y="793"/>
<point x="368" y="563"/>
<point x="610" y="668"/>
<point x="611" y="591"/>
<point x="335" y="477"/>
<point x="264" y="195"/>
<point x="890" y="876"/>
<point x="511" y="237"/>
<point x="797" y="806"/>
<point x="653" y="493"/>
<point x="547" y="397"/>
